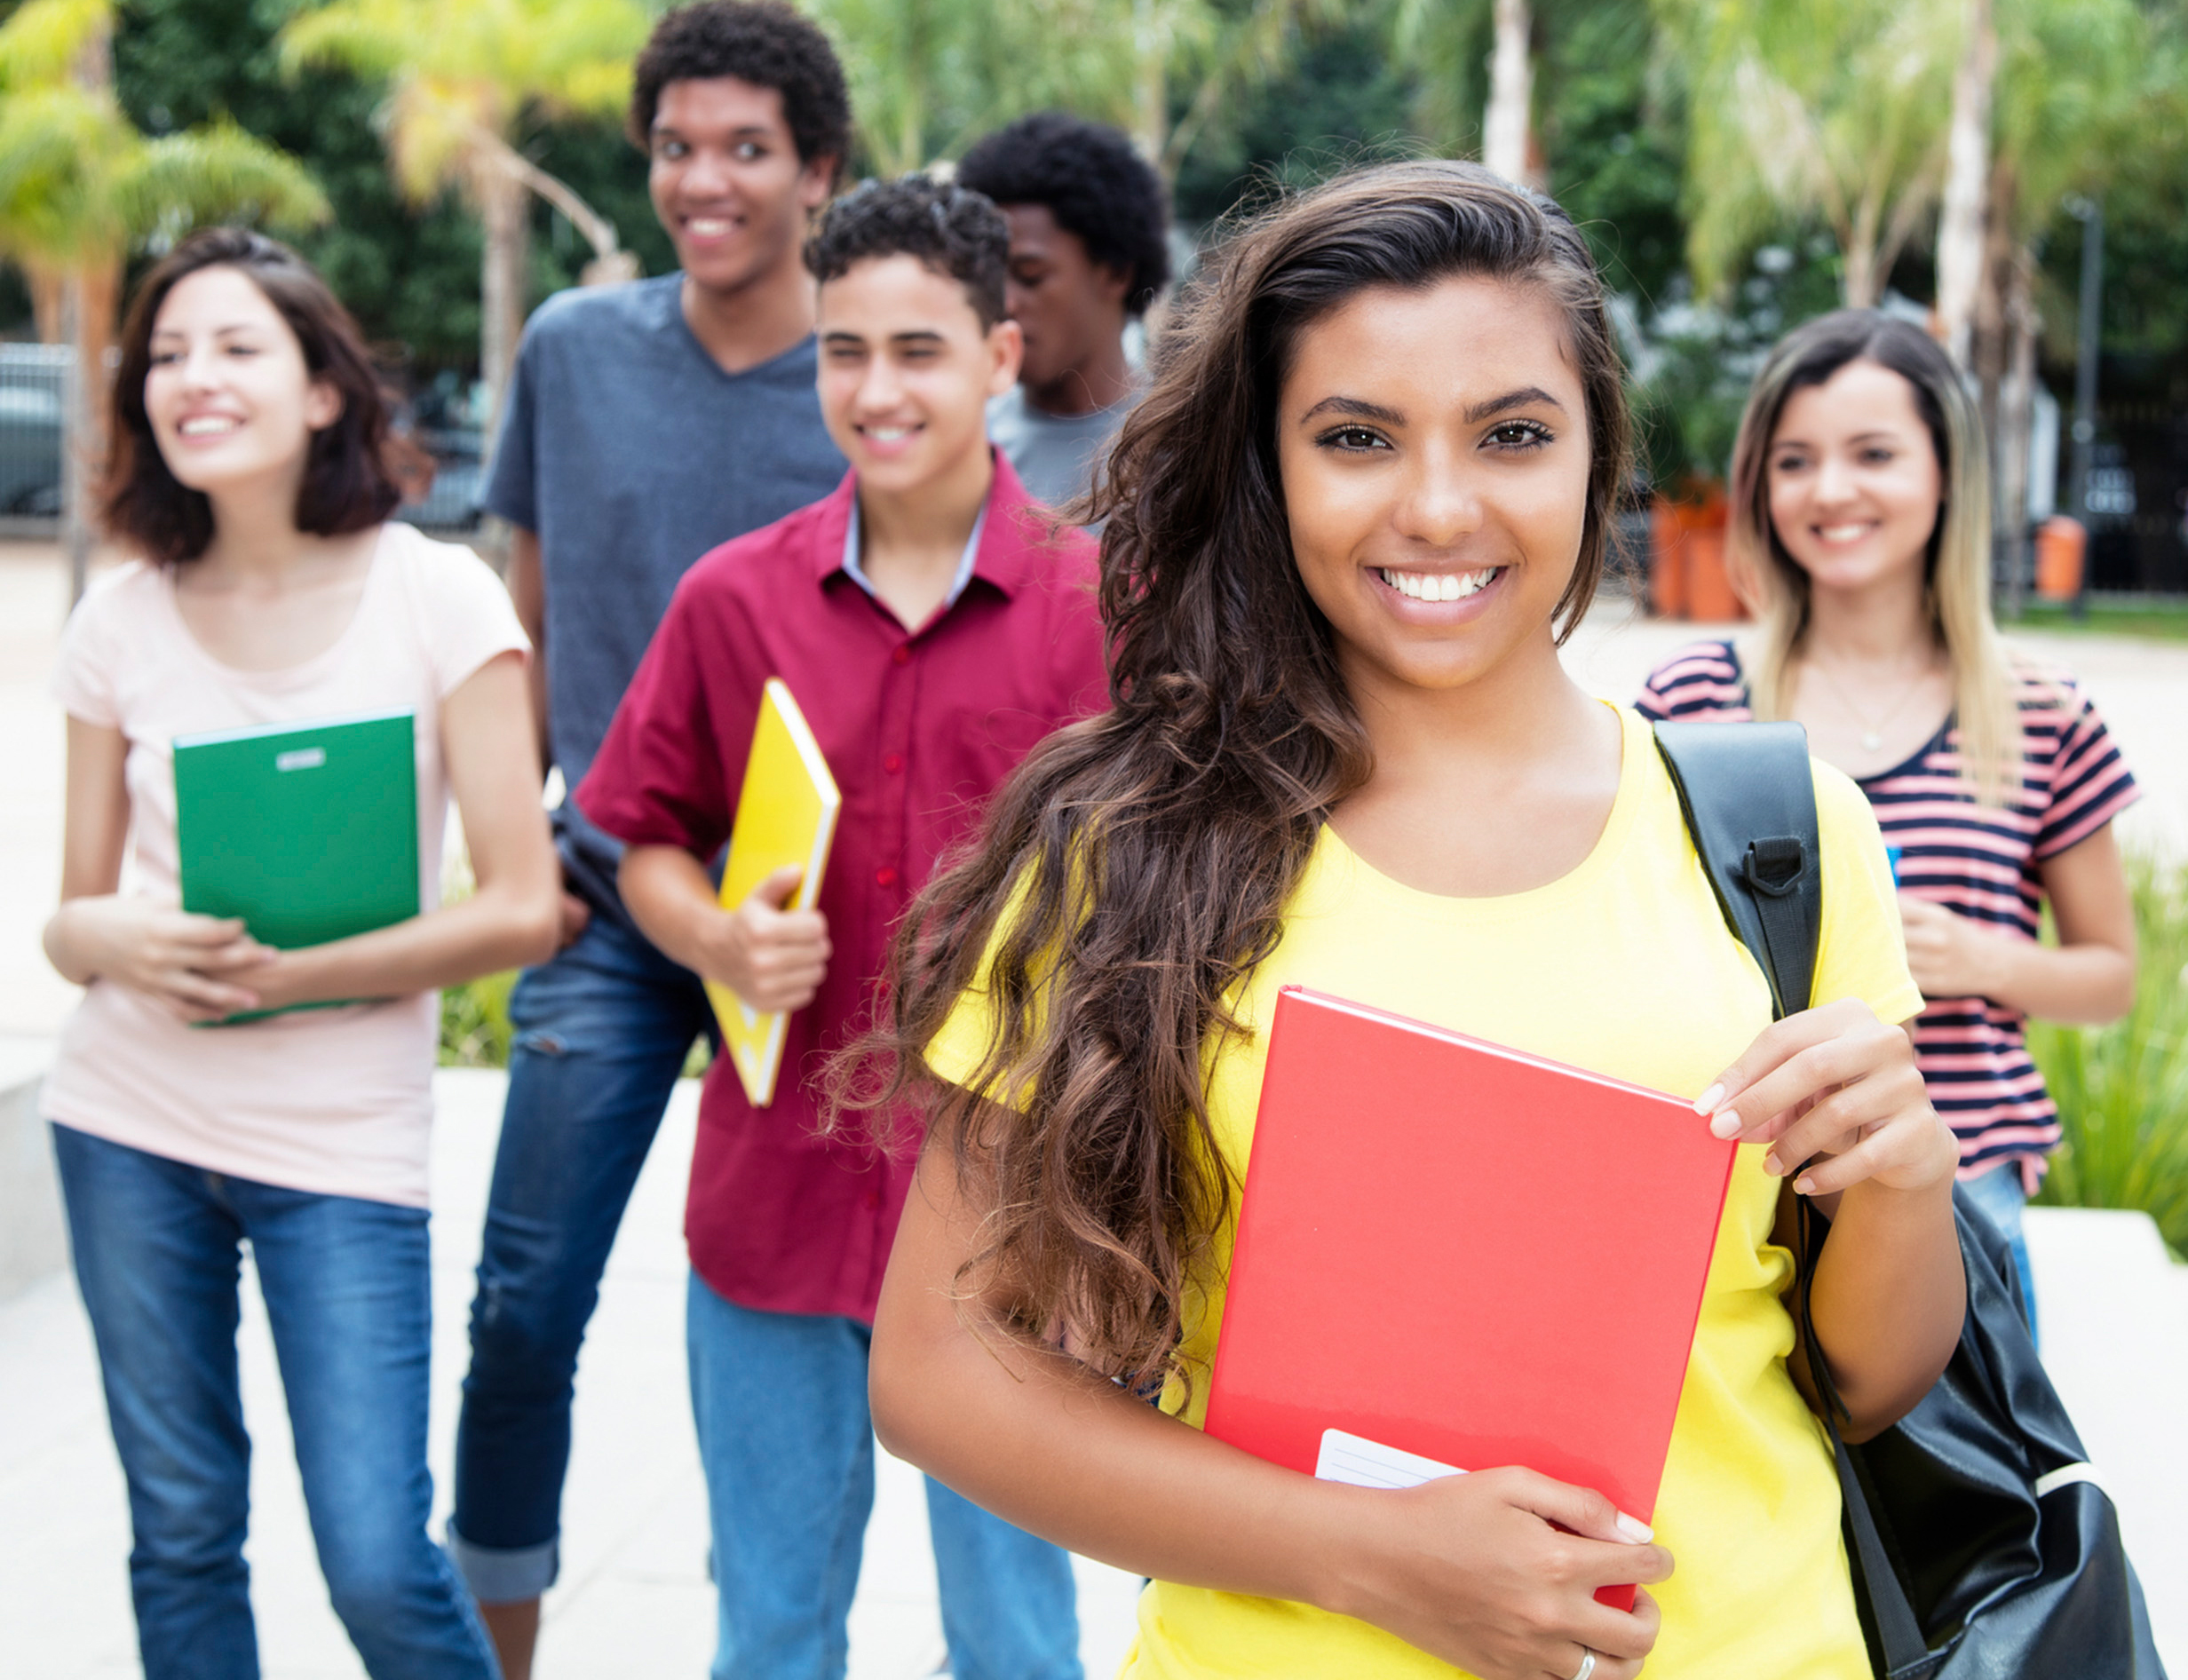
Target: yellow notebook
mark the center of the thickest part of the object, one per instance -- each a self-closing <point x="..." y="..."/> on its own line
<point x="785" y="814"/>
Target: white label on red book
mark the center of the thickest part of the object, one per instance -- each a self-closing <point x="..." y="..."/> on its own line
<point x="1361" y="1462"/>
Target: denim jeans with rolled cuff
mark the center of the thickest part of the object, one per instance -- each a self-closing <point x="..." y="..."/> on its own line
<point x="602" y="1031"/>
<point x="158" y="1252"/>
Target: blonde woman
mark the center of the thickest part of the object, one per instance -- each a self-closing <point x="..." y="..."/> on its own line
<point x="1861" y="530"/>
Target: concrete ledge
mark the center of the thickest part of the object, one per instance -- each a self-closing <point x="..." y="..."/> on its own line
<point x="2114" y="1309"/>
<point x="33" y="1240"/>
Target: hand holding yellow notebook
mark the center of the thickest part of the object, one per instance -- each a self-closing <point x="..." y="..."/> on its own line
<point x="786" y="814"/>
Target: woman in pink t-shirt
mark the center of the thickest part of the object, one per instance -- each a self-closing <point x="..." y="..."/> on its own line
<point x="250" y="470"/>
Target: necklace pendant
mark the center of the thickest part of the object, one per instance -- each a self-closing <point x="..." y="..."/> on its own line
<point x="1871" y="741"/>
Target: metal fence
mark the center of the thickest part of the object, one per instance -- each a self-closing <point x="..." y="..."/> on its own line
<point x="33" y="440"/>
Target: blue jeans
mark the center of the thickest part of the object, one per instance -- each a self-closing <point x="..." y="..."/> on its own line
<point x="788" y="1445"/>
<point x="601" y="1034"/>
<point x="157" y="1247"/>
<point x="2000" y="1194"/>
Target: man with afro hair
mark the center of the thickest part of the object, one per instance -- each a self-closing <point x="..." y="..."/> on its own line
<point x="646" y="423"/>
<point x="1088" y="253"/>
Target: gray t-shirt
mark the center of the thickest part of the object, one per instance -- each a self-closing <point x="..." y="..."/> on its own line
<point x="632" y="454"/>
<point x="1054" y="455"/>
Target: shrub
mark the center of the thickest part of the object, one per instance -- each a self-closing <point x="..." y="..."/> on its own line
<point x="2123" y="1090"/>
<point x="474" y="1022"/>
<point x="475" y="1030"/>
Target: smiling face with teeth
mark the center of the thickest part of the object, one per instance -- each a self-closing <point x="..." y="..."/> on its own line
<point x="1854" y="483"/>
<point x="1434" y="451"/>
<point x="728" y="185"/>
<point x="232" y="403"/>
<point x="907" y="369"/>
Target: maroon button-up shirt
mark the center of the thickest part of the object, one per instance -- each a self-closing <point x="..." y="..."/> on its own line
<point x="918" y="726"/>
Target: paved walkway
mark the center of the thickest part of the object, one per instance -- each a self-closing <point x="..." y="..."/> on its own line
<point x="634" y="1599"/>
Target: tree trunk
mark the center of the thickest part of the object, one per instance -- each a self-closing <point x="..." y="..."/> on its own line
<point x="1859" y="279"/>
<point x="1987" y="348"/>
<point x="1507" y="125"/>
<point x="2017" y="414"/>
<point x="87" y="302"/>
<point x="502" y="203"/>
<point x="1150" y="92"/>
<point x="45" y="302"/>
<point x="611" y="264"/>
<point x="1959" y="224"/>
<point x="88" y="294"/>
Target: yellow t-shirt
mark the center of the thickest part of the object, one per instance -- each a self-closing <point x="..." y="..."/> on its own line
<point x="1624" y="966"/>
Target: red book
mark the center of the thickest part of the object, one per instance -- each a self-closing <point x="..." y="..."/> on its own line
<point x="1472" y="1255"/>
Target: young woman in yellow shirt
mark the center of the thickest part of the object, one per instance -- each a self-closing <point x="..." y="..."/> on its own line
<point x="1368" y="491"/>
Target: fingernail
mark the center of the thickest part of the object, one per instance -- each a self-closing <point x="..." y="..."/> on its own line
<point x="1725" y="1125"/>
<point x="1772" y="1165"/>
<point x="1635" y="1530"/>
<point x="1805" y="1185"/>
<point x="1709" y="1100"/>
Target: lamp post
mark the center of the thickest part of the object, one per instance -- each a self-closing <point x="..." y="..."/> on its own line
<point x="2090" y="213"/>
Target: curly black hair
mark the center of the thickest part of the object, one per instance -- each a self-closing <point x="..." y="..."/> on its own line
<point x="1092" y="181"/>
<point x="953" y="230"/>
<point x="762" y="42"/>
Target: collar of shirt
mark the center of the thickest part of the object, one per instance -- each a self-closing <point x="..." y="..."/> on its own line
<point x="856" y="573"/>
<point x="1011" y="546"/>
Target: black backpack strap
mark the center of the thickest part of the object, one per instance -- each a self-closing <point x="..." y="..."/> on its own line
<point x="1749" y="797"/>
<point x="1749" y="800"/>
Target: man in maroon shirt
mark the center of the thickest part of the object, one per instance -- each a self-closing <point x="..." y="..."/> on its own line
<point x="933" y="630"/>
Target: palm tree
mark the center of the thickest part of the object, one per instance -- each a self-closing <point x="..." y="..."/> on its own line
<point x="928" y="78"/>
<point x="464" y="76"/>
<point x="1960" y="220"/>
<point x="80" y="186"/>
<point x="2083" y="89"/>
<point x="1833" y="109"/>
<point x="1445" y="37"/>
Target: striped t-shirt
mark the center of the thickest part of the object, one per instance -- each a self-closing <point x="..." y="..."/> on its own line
<point x="1979" y="861"/>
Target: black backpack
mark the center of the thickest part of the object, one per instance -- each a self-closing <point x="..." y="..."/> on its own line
<point x="1982" y="1545"/>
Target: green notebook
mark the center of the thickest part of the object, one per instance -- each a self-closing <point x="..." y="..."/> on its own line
<point x="309" y="832"/>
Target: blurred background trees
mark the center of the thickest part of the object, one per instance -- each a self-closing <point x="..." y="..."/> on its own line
<point x="463" y="76"/>
<point x="81" y="187"/>
<point x="1737" y="164"/>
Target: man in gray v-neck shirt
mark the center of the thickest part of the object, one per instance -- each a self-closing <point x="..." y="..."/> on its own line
<point x="646" y="423"/>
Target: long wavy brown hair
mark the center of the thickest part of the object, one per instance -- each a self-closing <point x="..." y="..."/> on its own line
<point x="1136" y="867"/>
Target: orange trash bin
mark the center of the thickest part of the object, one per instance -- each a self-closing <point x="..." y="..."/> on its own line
<point x="2062" y="550"/>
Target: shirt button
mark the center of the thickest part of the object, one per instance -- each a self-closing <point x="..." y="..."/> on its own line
<point x="884" y="876"/>
<point x="892" y="762"/>
<point x="903" y="654"/>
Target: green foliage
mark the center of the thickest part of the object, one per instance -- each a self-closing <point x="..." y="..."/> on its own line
<point x="474" y="1022"/>
<point x="1346" y="98"/>
<point x="2123" y="1090"/>
<point x="410" y="273"/>
<point x="462" y="73"/>
<point x="475" y="1031"/>
<point x="1614" y="123"/>
<point x="2156" y="618"/>
<point x="80" y="183"/>
<point x="1834" y="109"/>
<point x="1693" y="364"/>
<point x="927" y="79"/>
